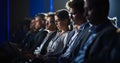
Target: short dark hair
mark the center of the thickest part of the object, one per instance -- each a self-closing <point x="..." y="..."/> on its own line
<point x="51" y="14"/>
<point x="76" y="4"/>
<point x="41" y="16"/>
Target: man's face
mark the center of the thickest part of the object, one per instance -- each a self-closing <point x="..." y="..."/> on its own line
<point x="50" y="25"/>
<point x="38" y="23"/>
<point x="32" y="24"/>
<point x="92" y="12"/>
<point x="75" y="15"/>
<point x="88" y="11"/>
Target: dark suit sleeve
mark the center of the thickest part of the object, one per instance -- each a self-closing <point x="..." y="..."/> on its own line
<point x="106" y="50"/>
<point x="38" y="41"/>
<point x="115" y="52"/>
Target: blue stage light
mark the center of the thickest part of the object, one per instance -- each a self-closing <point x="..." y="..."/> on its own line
<point x="51" y="6"/>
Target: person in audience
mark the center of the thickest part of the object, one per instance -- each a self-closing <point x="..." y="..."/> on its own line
<point x="52" y="31"/>
<point x="40" y="32"/>
<point x="17" y="48"/>
<point x="102" y="44"/>
<point x="76" y="8"/>
<point x="34" y="40"/>
<point x="57" y="44"/>
<point x="29" y="34"/>
<point x="23" y="28"/>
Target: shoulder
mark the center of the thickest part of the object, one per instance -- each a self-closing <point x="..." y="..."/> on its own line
<point x="65" y="34"/>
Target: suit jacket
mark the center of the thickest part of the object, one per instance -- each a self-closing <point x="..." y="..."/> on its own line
<point x="44" y="48"/>
<point x="40" y="35"/>
<point x="27" y="40"/>
<point x="103" y="48"/>
<point x="81" y="40"/>
<point x="72" y="50"/>
<point x="57" y="45"/>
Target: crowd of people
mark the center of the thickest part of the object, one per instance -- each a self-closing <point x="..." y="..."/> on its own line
<point x="81" y="33"/>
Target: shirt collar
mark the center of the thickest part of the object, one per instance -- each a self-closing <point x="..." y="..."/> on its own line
<point x="40" y="29"/>
<point x="82" y="26"/>
<point x="50" y="31"/>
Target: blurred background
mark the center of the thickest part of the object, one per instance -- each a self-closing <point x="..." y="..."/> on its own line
<point x="12" y="13"/>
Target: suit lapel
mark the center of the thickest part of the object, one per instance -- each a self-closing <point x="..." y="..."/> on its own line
<point x="44" y="48"/>
<point x="70" y="36"/>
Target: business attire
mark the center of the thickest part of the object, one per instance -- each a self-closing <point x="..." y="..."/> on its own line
<point x="27" y="40"/>
<point x="104" y="49"/>
<point x="42" y="49"/>
<point x="38" y="39"/>
<point x="73" y="44"/>
<point x="55" y="47"/>
<point x="97" y="47"/>
<point x="83" y="48"/>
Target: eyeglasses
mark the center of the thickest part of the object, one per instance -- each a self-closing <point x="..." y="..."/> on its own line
<point x="49" y="22"/>
<point x="73" y="14"/>
<point x="58" y="20"/>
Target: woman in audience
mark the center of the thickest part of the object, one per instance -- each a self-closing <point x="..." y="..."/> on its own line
<point x="57" y="44"/>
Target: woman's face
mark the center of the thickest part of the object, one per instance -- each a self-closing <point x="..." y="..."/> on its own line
<point x="59" y="23"/>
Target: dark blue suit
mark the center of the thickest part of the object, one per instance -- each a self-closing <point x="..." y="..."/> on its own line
<point x="72" y="49"/>
<point x="36" y="40"/>
<point x="103" y="48"/>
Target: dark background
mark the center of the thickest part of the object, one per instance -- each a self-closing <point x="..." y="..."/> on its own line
<point x="12" y="13"/>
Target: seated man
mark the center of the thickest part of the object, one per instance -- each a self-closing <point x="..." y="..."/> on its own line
<point x="103" y="45"/>
<point x="38" y="37"/>
<point x="79" y="32"/>
<point x="42" y="49"/>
